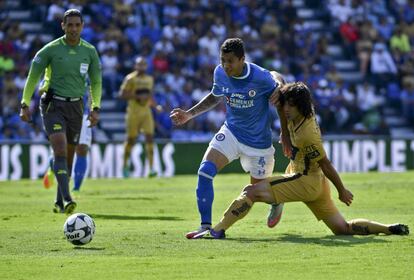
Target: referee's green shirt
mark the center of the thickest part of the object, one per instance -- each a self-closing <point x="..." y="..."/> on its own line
<point x="69" y="67"/>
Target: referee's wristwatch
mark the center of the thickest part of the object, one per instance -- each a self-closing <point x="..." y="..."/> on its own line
<point x="96" y="109"/>
<point x="23" y="106"/>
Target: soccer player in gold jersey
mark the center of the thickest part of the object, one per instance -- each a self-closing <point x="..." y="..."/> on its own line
<point x="137" y="90"/>
<point x="306" y="177"/>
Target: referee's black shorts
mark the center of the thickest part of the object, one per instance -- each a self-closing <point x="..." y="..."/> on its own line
<point x="63" y="116"/>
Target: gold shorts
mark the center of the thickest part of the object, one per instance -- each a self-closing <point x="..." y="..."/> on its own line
<point x="139" y="122"/>
<point x="312" y="189"/>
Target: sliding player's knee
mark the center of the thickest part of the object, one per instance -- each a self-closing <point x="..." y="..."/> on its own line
<point x="337" y="224"/>
<point x="341" y="229"/>
<point x="207" y="170"/>
<point x="252" y="192"/>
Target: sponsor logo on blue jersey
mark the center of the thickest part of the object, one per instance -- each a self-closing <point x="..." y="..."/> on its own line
<point x="220" y="137"/>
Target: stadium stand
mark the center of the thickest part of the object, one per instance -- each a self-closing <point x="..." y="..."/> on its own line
<point x="356" y="56"/>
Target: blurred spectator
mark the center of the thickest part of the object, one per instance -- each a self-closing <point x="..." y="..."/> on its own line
<point x="110" y="75"/>
<point x="399" y="41"/>
<point x="407" y="100"/>
<point x="181" y="41"/>
<point x="383" y="68"/>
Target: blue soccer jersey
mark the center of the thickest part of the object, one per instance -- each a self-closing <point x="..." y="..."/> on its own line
<point x="247" y="103"/>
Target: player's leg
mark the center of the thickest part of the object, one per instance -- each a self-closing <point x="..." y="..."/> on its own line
<point x="73" y="112"/>
<point x="339" y="226"/>
<point x="129" y="143"/>
<point x="60" y="166"/>
<point x="324" y="209"/>
<point x="222" y="150"/>
<point x="49" y="177"/>
<point x="149" y="152"/>
<point x="240" y="207"/>
<point x="147" y="128"/>
<point x="278" y="189"/>
<point x="260" y="163"/>
<point x="131" y="136"/>
<point x="81" y="164"/>
<point x="212" y="162"/>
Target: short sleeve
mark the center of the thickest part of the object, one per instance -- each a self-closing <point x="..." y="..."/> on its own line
<point x="313" y="145"/>
<point x="126" y="84"/>
<point x="41" y="59"/>
<point x="218" y="89"/>
<point x="269" y="84"/>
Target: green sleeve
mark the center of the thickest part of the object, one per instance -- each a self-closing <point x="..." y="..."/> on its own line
<point x="95" y="77"/>
<point x="39" y="63"/>
<point x="46" y="79"/>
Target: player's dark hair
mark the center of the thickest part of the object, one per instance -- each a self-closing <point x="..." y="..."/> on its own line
<point x="297" y="94"/>
<point x="234" y="45"/>
<point x="72" y="13"/>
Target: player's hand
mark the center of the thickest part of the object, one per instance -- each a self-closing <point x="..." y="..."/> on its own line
<point x="274" y="98"/>
<point x="93" y="118"/>
<point x="346" y="197"/>
<point x="25" y="114"/>
<point x="286" y="145"/>
<point x="179" y="116"/>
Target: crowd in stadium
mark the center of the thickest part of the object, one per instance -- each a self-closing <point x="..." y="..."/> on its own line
<point x="181" y="41"/>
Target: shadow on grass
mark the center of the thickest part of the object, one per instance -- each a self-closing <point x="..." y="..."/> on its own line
<point x="137" y="218"/>
<point x="89" y="248"/>
<point x="132" y="198"/>
<point x="329" y="240"/>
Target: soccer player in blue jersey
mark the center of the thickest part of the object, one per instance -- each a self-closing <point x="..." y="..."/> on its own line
<point x="246" y="133"/>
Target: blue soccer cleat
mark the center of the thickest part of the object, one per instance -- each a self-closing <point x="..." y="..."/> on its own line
<point x="220" y="234"/>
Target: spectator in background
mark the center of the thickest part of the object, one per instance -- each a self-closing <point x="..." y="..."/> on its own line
<point x="384" y="28"/>
<point x="110" y="66"/>
<point x="400" y="41"/>
<point x="383" y="68"/>
<point x="407" y="100"/>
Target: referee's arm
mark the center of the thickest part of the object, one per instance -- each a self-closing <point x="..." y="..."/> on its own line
<point x="95" y="75"/>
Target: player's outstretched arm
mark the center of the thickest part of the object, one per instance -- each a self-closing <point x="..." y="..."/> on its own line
<point x="179" y="116"/>
<point x="330" y="172"/>
<point x="274" y="100"/>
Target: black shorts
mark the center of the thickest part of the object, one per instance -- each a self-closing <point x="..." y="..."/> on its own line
<point x="63" y="116"/>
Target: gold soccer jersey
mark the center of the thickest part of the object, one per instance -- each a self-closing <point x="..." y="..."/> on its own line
<point x="307" y="146"/>
<point x="141" y="86"/>
<point x="304" y="180"/>
<point x="139" y="116"/>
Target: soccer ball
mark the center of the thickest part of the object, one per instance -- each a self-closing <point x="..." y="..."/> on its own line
<point x="79" y="229"/>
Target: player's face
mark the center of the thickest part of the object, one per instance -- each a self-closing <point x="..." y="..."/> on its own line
<point x="232" y="65"/>
<point x="141" y="66"/>
<point x="291" y="111"/>
<point x="72" y="28"/>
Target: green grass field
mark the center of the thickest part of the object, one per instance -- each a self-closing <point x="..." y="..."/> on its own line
<point x="141" y="225"/>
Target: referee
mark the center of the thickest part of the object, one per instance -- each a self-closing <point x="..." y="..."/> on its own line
<point x="71" y="60"/>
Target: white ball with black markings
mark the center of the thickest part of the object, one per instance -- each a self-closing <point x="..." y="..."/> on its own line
<point x="79" y="229"/>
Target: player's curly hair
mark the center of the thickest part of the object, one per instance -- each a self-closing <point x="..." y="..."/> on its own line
<point x="234" y="45"/>
<point x="297" y="94"/>
<point x="72" y="13"/>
